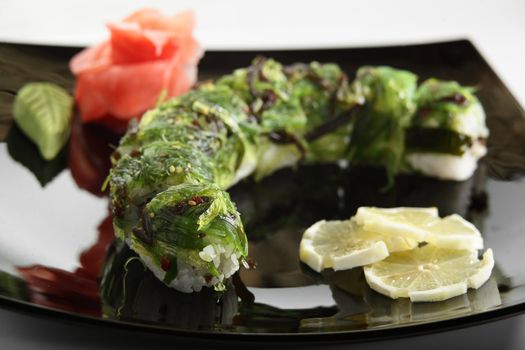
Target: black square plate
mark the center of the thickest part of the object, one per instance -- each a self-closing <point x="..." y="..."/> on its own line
<point x="55" y="226"/>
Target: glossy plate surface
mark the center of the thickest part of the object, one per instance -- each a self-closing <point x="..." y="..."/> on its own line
<point x="57" y="254"/>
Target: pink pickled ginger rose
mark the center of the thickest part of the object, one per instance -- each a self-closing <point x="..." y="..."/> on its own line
<point x="147" y="53"/>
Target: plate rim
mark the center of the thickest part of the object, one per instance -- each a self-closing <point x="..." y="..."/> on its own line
<point x="344" y="336"/>
<point x="348" y="336"/>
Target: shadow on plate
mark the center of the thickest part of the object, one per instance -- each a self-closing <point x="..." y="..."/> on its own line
<point x="276" y="211"/>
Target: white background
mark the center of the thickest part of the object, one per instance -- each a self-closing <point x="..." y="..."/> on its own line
<point x="497" y="28"/>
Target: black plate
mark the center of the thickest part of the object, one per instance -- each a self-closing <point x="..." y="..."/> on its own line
<point x="56" y="234"/>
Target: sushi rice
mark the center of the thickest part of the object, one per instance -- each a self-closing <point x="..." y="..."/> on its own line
<point x="191" y="278"/>
<point x="448" y="166"/>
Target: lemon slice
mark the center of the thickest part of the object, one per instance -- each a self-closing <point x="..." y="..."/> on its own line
<point x="393" y="243"/>
<point x="336" y="244"/>
<point x="403" y="221"/>
<point x="454" y="232"/>
<point x="429" y="273"/>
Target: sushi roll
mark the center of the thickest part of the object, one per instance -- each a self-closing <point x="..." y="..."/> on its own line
<point x="167" y="185"/>
<point x="171" y="171"/>
<point x="448" y="132"/>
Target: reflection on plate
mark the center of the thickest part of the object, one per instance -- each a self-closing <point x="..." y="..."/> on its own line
<point x="65" y="259"/>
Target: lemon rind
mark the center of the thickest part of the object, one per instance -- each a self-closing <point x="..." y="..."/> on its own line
<point x="309" y="256"/>
<point x="456" y="242"/>
<point x="484" y="272"/>
<point x="370" y="218"/>
<point x="469" y="239"/>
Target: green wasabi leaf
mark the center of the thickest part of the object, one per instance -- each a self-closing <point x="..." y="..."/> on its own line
<point x="43" y="112"/>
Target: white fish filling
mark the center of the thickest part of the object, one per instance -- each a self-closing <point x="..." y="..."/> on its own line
<point x="247" y="166"/>
<point x="275" y="157"/>
<point x="448" y="166"/>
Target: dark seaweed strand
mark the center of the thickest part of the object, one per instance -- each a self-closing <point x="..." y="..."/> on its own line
<point x="332" y="125"/>
<point x="299" y="71"/>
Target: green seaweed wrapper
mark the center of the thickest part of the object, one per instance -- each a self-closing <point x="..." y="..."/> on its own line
<point x="378" y="137"/>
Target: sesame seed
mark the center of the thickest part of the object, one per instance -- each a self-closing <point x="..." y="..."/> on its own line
<point x="152" y="215"/>
<point x="192" y="203"/>
<point x="171" y="169"/>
